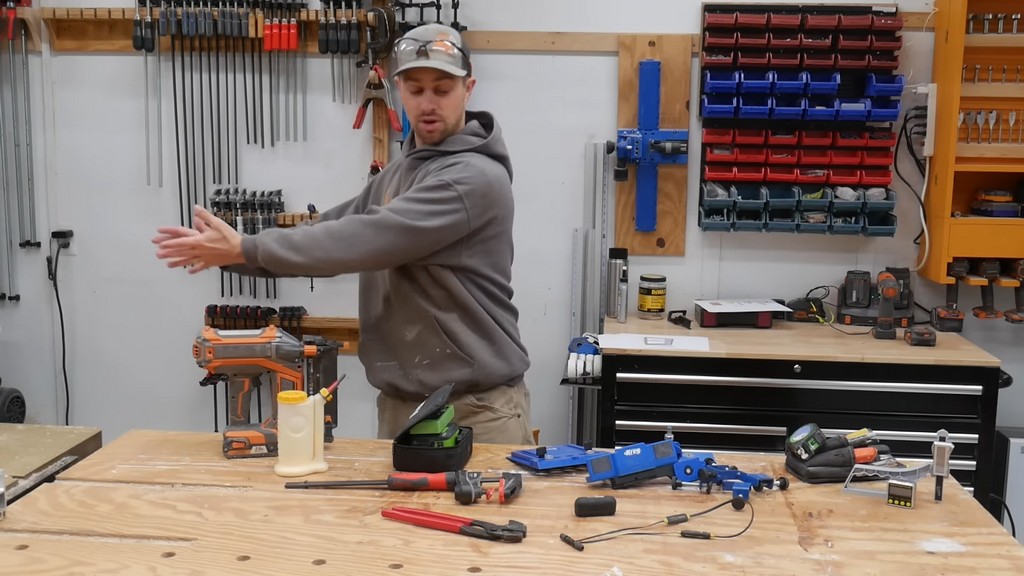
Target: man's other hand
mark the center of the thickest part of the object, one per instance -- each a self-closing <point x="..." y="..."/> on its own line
<point x="212" y="243"/>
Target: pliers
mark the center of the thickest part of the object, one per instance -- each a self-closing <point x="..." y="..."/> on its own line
<point x="377" y="88"/>
<point x="512" y="532"/>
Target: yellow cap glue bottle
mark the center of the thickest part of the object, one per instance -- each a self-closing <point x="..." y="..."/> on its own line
<point x="300" y="432"/>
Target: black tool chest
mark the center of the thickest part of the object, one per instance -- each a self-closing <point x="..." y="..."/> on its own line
<point x="727" y="404"/>
<point x="798" y="106"/>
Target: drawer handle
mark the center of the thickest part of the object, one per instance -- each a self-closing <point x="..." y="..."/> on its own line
<point x="908" y="435"/>
<point x="909" y="387"/>
<point x="648" y="426"/>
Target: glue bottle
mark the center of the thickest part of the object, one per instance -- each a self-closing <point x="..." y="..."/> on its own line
<point x="300" y="433"/>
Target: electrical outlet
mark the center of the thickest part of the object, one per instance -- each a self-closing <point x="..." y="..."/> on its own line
<point x="929" y="137"/>
<point x="64" y="237"/>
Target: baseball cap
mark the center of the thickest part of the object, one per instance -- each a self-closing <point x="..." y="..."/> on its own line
<point x="432" y="46"/>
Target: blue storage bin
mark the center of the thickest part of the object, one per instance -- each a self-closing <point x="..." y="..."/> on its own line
<point x="749" y="220"/>
<point x="711" y="195"/>
<point x="880" y="224"/>
<point x="842" y="205"/>
<point x="846" y="223"/>
<point x="721" y="81"/>
<point x="755" y="82"/>
<point x="782" y="196"/>
<point x="884" y="110"/>
<point x="886" y="205"/>
<point x="755" y="106"/>
<point x="715" y="220"/>
<point x="751" y="196"/>
<point x="822" y="82"/>
<point x="789" y="107"/>
<point x="790" y="82"/>
<point x="820" y="108"/>
<point x="853" y="109"/>
<point x="878" y="85"/>
<point x="814" y="197"/>
<point x="717" y="106"/>
<point x="812" y="222"/>
<point x="781" y="221"/>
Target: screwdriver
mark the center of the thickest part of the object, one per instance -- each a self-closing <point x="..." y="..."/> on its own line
<point x="405" y="481"/>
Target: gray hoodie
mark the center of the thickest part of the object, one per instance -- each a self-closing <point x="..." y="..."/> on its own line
<point x="431" y="238"/>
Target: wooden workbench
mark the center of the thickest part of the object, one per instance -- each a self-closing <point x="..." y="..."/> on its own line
<point x="29" y="451"/>
<point x="169" y="503"/>
<point x="807" y="341"/>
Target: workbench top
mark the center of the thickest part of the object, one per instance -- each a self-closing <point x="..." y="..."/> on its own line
<point x="170" y="503"/>
<point x="27" y="449"/>
<point x="805" y="341"/>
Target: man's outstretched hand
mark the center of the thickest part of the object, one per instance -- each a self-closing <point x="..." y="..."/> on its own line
<point x="212" y="243"/>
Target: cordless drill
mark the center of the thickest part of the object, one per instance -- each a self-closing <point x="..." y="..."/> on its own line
<point x="989" y="270"/>
<point x="950" y="318"/>
<point x="1015" y="269"/>
<point x="888" y="288"/>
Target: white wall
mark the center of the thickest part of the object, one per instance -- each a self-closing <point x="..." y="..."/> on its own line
<point x="130" y="321"/>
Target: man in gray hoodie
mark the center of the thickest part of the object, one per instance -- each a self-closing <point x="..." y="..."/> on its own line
<point x="431" y="239"/>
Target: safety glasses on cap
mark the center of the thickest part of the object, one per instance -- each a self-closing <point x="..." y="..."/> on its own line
<point x="443" y="54"/>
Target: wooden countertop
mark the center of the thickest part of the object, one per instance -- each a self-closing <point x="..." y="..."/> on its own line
<point x="807" y="342"/>
<point x="170" y="503"/>
<point x="26" y="449"/>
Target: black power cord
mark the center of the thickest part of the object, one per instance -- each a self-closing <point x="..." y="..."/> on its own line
<point x="52" y="263"/>
<point x="736" y="502"/>
<point x="1013" y="527"/>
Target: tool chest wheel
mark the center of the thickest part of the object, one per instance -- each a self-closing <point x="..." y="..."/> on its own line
<point x="12" y="406"/>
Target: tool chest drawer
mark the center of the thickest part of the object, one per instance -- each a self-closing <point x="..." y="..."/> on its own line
<point x="730" y="405"/>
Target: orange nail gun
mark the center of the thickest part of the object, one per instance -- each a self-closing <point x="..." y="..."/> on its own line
<point x="950" y="318"/>
<point x="241" y="357"/>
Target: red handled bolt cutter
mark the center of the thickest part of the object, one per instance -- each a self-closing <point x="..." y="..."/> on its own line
<point x="511" y="532"/>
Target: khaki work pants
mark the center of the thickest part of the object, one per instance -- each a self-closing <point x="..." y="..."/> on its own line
<point x="500" y="415"/>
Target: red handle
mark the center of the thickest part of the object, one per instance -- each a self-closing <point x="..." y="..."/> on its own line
<point x="395" y="124"/>
<point x="293" y="36"/>
<point x="359" y="118"/>
<point x="440" y="481"/>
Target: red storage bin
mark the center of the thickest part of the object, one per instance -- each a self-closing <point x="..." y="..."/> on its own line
<point x="880" y="139"/>
<point x="815" y="156"/>
<point x="779" y="174"/>
<point x="780" y="59"/>
<point x="718" y="58"/>
<point x="853" y="41"/>
<point x="878" y="157"/>
<point x="819" y="60"/>
<point x="720" y="153"/>
<point x="752" y="19"/>
<point x="719" y="20"/>
<point x="887" y="22"/>
<point x="815" y="138"/>
<point x="883" y="62"/>
<point x="783" y="137"/>
<point x="783" y="40"/>
<point x="816" y="40"/>
<point x="854" y="21"/>
<point x="725" y="172"/>
<point x="752" y="58"/>
<point x="821" y="21"/>
<point x="782" y="156"/>
<point x="743" y="136"/>
<point x="720" y="39"/>
<point x="846" y="157"/>
<point x="850" y="139"/>
<point x="811" y="175"/>
<point x="876" y="177"/>
<point x="844" y="176"/>
<point x="752" y="39"/>
<point x="851" y="60"/>
<point x="886" y="42"/>
<point x="717" y="135"/>
<point x="752" y="155"/>
<point x="749" y="173"/>
<point x="789" y="21"/>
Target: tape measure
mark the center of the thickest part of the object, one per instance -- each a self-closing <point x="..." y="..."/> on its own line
<point x="805" y="441"/>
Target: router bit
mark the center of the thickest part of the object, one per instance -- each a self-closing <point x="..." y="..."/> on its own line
<point x="989" y="74"/>
<point x="1012" y="119"/>
<point x="986" y="19"/>
<point x="1004" y="74"/>
<point x="963" y="74"/>
<point x="999" y="20"/>
<point x="980" y="120"/>
<point x="977" y="72"/>
<point x="993" y="117"/>
<point x="970" y="121"/>
<point x="1016" y="19"/>
<point x="970" y="23"/>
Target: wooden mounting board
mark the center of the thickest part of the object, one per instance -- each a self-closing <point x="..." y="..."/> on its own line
<point x="673" y="51"/>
